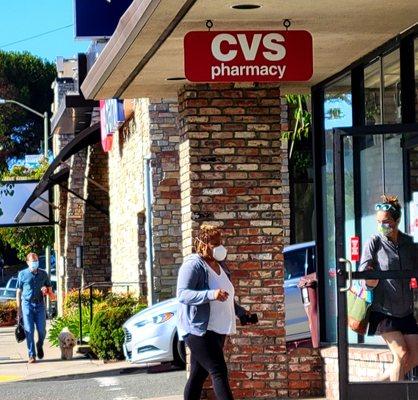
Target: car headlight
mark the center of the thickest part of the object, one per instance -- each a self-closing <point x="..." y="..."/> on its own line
<point x="159" y="319"/>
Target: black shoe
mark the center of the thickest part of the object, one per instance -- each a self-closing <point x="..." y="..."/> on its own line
<point x="40" y="351"/>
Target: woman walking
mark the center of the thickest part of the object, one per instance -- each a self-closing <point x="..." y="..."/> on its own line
<point x="207" y="313"/>
<point x="392" y="309"/>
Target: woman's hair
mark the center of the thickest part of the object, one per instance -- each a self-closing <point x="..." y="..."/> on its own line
<point x="206" y="233"/>
<point x="396" y="210"/>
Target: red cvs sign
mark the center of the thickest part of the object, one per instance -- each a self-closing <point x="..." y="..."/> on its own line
<point x="355" y="248"/>
<point x="248" y="56"/>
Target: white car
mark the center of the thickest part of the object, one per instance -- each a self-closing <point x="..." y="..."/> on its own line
<point x="151" y="335"/>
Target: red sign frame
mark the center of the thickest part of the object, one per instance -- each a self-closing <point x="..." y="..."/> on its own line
<point x="355" y="248"/>
<point x="248" y="56"/>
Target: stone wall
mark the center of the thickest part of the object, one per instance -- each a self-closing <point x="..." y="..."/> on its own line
<point x="74" y="227"/>
<point x="96" y="239"/>
<point x="152" y="132"/>
<point x="233" y="168"/>
<point x="126" y="207"/>
<point x="165" y="137"/>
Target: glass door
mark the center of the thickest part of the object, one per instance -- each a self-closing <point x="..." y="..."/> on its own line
<point x="368" y="162"/>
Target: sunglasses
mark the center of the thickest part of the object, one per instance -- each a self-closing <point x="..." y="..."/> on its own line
<point x="384" y="207"/>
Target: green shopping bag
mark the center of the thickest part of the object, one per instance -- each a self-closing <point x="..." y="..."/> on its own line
<point x="358" y="310"/>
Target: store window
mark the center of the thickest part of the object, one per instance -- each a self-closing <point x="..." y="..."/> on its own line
<point x="416" y="80"/>
<point x="391" y="66"/>
<point x="337" y="113"/>
<point x="372" y="95"/>
<point x="382" y="88"/>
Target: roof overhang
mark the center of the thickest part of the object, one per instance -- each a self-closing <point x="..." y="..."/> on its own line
<point x="87" y="137"/>
<point x="147" y="46"/>
<point x="73" y="115"/>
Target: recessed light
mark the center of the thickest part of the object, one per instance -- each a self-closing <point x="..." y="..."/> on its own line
<point x="246" y="6"/>
<point x="176" y="78"/>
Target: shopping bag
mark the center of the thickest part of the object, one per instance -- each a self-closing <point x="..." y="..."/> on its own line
<point x="20" y="331"/>
<point x="358" y="310"/>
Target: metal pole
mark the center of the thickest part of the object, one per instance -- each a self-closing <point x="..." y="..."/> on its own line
<point x="48" y="271"/>
<point x="80" y="317"/>
<point x="149" y="262"/>
<point x="91" y="304"/>
<point x="46" y="135"/>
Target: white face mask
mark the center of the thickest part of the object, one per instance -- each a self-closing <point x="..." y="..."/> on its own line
<point x="219" y="253"/>
<point x="33" y="265"/>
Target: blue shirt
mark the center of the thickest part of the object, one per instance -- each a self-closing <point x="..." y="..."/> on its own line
<point x="31" y="283"/>
<point x="194" y="295"/>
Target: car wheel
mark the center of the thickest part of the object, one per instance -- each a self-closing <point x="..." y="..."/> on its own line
<point x="179" y="352"/>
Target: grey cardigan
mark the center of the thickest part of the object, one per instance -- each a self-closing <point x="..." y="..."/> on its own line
<point x="194" y="295"/>
<point x="391" y="296"/>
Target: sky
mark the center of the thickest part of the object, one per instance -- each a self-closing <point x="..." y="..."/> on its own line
<point x="22" y="19"/>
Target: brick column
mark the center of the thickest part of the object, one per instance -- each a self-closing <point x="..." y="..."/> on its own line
<point x="97" y="267"/>
<point x="166" y="221"/>
<point x="233" y="169"/>
<point x="74" y="219"/>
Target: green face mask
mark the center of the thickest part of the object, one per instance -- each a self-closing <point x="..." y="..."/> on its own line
<point x="384" y="229"/>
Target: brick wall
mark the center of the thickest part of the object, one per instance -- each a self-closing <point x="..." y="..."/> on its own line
<point x="74" y="219"/>
<point x="97" y="267"/>
<point x="365" y="364"/>
<point x="165" y="137"/>
<point x="233" y="168"/>
<point x="60" y="200"/>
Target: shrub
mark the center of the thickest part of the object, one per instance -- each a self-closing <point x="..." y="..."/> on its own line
<point x="106" y="333"/>
<point x="71" y="298"/>
<point x="8" y="313"/>
<point x="71" y="320"/>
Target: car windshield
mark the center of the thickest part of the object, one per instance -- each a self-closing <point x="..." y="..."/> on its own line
<point x="12" y="284"/>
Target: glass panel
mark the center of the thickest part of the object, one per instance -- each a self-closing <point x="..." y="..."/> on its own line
<point x="338" y="113"/>
<point x="392" y="88"/>
<point x="379" y="175"/>
<point x="416" y="80"/>
<point x="349" y="204"/>
<point x="372" y="84"/>
<point x="374" y="363"/>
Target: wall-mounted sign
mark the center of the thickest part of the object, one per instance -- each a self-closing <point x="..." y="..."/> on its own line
<point x="112" y="117"/>
<point x="355" y="248"/>
<point x="248" y="56"/>
<point x="98" y="18"/>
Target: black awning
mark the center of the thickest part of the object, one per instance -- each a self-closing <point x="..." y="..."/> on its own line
<point x="85" y="138"/>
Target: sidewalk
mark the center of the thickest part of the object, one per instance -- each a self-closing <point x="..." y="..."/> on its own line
<point x="14" y="366"/>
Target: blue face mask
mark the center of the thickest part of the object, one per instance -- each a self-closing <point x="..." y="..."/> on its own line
<point x="33" y="265"/>
<point x="384" y="229"/>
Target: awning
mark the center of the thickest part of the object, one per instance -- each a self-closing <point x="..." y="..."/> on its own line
<point x="85" y="138"/>
<point x="144" y="57"/>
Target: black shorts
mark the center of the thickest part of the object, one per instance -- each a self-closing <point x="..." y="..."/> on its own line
<point x="381" y="323"/>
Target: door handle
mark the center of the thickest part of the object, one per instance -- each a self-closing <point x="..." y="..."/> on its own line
<point x="350" y="279"/>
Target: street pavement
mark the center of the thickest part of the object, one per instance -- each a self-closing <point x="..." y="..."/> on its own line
<point x="112" y="385"/>
<point x="57" y="379"/>
<point x="81" y="378"/>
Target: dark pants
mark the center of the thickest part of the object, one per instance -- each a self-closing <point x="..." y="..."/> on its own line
<point x="207" y="357"/>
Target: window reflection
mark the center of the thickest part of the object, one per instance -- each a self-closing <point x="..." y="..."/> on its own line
<point x="382" y="89"/>
<point x="338" y="113"/>
<point x="416" y="80"/>
<point x="372" y="85"/>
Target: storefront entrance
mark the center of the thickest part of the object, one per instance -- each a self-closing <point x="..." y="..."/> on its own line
<point x="368" y="162"/>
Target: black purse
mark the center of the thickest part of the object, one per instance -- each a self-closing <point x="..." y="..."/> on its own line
<point x="20" y="331"/>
